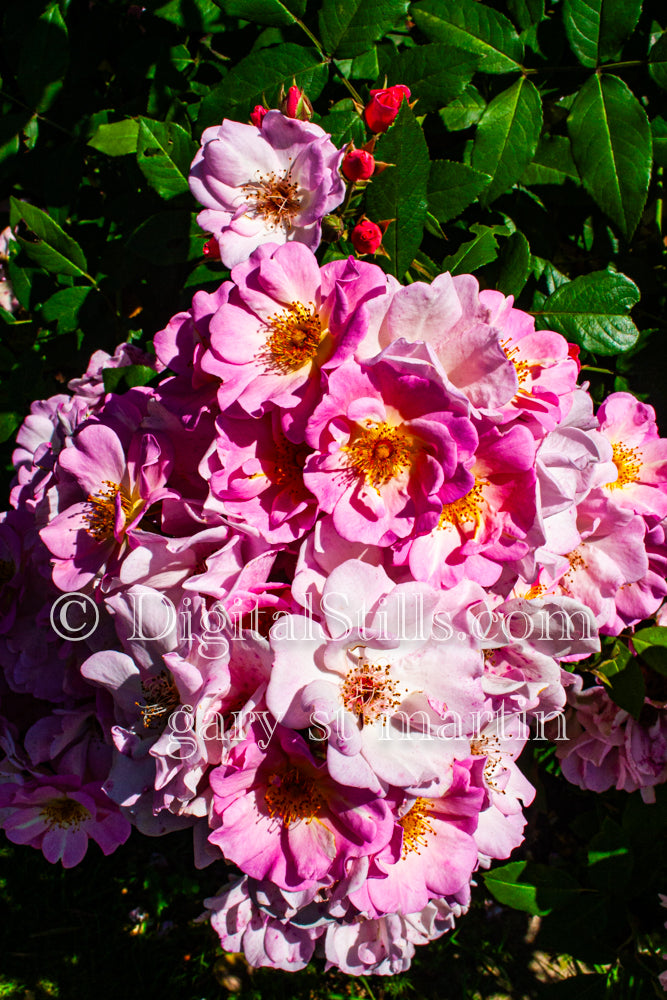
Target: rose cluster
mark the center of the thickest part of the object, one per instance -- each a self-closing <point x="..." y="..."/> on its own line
<point x="334" y="557"/>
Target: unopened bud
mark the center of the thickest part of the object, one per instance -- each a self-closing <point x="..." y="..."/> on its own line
<point x="297" y="105"/>
<point x="257" y="115"/>
<point x="384" y="105"/>
<point x="212" y="249"/>
<point x="366" y="237"/>
<point x="358" y="165"/>
<point x="333" y="228"/>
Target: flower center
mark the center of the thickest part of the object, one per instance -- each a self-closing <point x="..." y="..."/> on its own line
<point x="576" y="561"/>
<point x="369" y="692"/>
<point x="416" y="827"/>
<point x="161" y="697"/>
<point x="628" y="461"/>
<point x="289" y="460"/>
<point x="291" y="795"/>
<point x="466" y="508"/>
<point x="64" y="812"/>
<point x="522" y="368"/>
<point x="489" y="747"/>
<point x="295" y="337"/>
<point x="275" y="198"/>
<point x="379" y="453"/>
<point x="101" y="518"/>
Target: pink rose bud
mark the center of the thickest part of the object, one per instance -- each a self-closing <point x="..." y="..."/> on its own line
<point x="366" y="237"/>
<point x="296" y="105"/>
<point x="383" y="106"/>
<point x="358" y="165"/>
<point x="211" y="249"/>
<point x="257" y="116"/>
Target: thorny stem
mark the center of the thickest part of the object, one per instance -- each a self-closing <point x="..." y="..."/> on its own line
<point x="583" y="69"/>
<point x="318" y="45"/>
<point x="35" y="114"/>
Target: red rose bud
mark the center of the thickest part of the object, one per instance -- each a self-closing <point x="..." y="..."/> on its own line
<point x="366" y="237"/>
<point x="383" y="106"/>
<point x="358" y="165"/>
<point x="257" y="116"/>
<point x="297" y="105"/>
<point x="212" y="249"/>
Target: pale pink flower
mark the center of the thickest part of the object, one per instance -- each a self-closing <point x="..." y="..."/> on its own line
<point x="272" y="184"/>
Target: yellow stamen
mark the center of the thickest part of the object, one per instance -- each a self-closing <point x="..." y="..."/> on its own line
<point x="416" y="827"/>
<point x="522" y="368"/>
<point x="161" y="697"/>
<point x="291" y="795"/>
<point x="294" y="339"/>
<point x="64" y="812"/>
<point x="489" y="747"/>
<point x="628" y="461"/>
<point x="466" y="508"/>
<point x="369" y="692"/>
<point x="101" y="518"/>
<point x="380" y="452"/>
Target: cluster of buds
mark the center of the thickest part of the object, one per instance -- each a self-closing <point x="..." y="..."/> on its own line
<point x="358" y="165"/>
<point x="294" y="104"/>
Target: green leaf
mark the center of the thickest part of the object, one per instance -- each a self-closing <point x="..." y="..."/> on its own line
<point x="659" y="134"/>
<point x="64" y="307"/>
<point x="8" y="424"/>
<point x="344" y="124"/>
<point x="526" y="13"/>
<point x="515" y="265"/>
<point x="435" y="74"/>
<point x="271" y="12"/>
<point x="656" y="658"/>
<point x="593" y="311"/>
<point x="193" y="15"/>
<point x="52" y="249"/>
<point x="657" y="61"/>
<point x="170" y="237"/>
<point x="365" y="66"/>
<point x="617" y="660"/>
<point x="552" y="163"/>
<point x="533" y="888"/>
<point x="628" y="688"/>
<point x="347" y="26"/>
<point x="653" y="636"/>
<point x="464" y="111"/>
<point x="611" y="145"/>
<point x="116" y="139"/>
<point x="164" y="155"/>
<point x="507" y="136"/>
<point x="400" y="192"/>
<point x="597" y="29"/>
<point x="452" y="187"/>
<point x="472" y="26"/>
<point x="477" y="252"/>
<point x="260" y="76"/>
<point x="43" y="59"/>
<point x="131" y="375"/>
